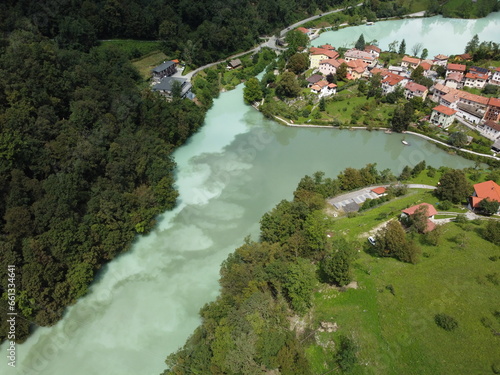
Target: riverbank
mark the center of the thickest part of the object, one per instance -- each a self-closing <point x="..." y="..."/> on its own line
<point x="386" y="130"/>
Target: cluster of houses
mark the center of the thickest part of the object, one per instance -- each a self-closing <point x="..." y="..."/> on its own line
<point x="164" y="80"/>
<point x="476" y="111"/>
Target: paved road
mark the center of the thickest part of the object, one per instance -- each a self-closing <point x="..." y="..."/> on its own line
<point x="269" y="43"/>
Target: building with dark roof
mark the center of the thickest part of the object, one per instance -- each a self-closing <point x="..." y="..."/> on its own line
<point x="164" y="70"/>
<point x="166" y="86"/>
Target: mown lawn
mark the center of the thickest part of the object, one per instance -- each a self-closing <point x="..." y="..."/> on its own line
<point x="395" y="331"/>
<point x="133" y="48"/>
<point x="148" y="62"/>
<point x="366" y="220"/>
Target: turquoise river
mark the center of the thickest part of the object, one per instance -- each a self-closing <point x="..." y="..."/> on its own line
<point x="145" y="304"/>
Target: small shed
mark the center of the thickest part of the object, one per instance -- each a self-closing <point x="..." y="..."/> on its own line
<point x="233" y="64"/>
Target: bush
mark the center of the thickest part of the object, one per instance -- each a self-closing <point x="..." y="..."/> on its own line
<point x="446" y="322"/>
<point x="445" y="205"/>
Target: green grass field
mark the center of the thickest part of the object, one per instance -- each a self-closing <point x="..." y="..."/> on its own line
<point x="396" y="333"/>
<point x="133" y="48"/>
<point x="148" y="62"/>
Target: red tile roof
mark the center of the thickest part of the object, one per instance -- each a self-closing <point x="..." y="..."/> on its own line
<point x="455" y="76"/>
<point x="321" y="51"/>
<point x="392" y="79"/>
<point x="425" y="65"/>
<point x="382" y="71"/>
<point x="474" y="75"/>
<point x="303" y="29"/>
<point x="327" y="46"/>
<point x="492" y="124"/>
<point x="379" y="190"/>
<point x="372" y="48"/>
<point x="411" y="60"/>
<point x="333" y="62"/>
<point x="494" y="102"/>
<point x="431" y="211"/>
<point x="441" y="57"/>
<point x="413" y="87"/>
<point x="487" y="189"/>
<point x="444" y="110"/>
<point x="458" y="67"/>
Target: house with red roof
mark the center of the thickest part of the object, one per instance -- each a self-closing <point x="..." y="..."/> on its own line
<point x="440" y="60"/>
<point x="442" y="116"/>
<point x="374" y="50"/>
<point x="458" y="68"/>
<point x="304" y="30"/>
<point x="391" y="81"/>
<point x="356" y="69"/>
<point x="475" y="80"/>
<point x="324" y="88"/>
<point x="454" y="80"/>
<point x="430" y="212"/>
<point x="464" y="57"/>
<point x="355" y="54"/>
<point x="492" y="110"/>
<point x="316" y="55"/>
<point x="410" y="62"/>
<point x="485" y="190"/>
<point x="380" y="191"/>
<point x="413" y="89"/>
<point x="329" y="66"/>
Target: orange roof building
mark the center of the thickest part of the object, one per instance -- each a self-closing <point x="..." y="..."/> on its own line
<point x="488" y="189"/>
<point x="431" y="211"/>
<point x="379" y="190"/>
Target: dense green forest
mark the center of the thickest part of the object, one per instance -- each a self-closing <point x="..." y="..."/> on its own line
<point x="207" y="29"/>
<point x="85" y="165"/>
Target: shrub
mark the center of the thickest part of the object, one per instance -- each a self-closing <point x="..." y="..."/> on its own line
<point x="445" y="205"/>
<point x="446" y="322"/>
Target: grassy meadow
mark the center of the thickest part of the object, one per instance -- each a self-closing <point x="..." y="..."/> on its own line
<point x="391" y="314"/>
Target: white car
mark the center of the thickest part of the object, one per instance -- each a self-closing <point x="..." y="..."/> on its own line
<point x="371" y="240"/>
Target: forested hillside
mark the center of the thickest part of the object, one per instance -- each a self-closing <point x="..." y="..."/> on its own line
<point x="85" y="165"/>
<point x="207" y="29"/>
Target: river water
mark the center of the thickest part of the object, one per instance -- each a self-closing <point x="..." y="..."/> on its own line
<point x="439" y="35"/>
<point x="145" y="303"/>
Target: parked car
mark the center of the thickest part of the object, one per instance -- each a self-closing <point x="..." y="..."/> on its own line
<point x="371" y="240"/>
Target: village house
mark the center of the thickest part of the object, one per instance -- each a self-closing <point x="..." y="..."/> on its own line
<point x="495" y="77"/>
<point x="356" y="69"/>
<point x="442" y="116"/>
<point x="399" y="70"/>
<point x="304" y="30"/>
<point x="449" y="100"/>
<point x="233" y="64"/>
<point x="316" y="55"/>
<point x="430" y="211"/>
<point x="441" y="60"/>
<point x="323" y="88"/>
<point x="382" y="71"/>
<point x="374" y="50"/>
<point x="166" y="85"/>
<point x="426" y="66"/>
<point x="475" y="80"/>
<point x="490" y="129"/>
<point x="439" y="90"/>
<point x="484" y="190"/>
<point x="315" y="78"/>
<point x="392" y="81"/>
<point x="493" y="110"/>
<point x="166" y="69"/>
<point x="355" y="54"/>
<point x="454" y="80"/>
<point x="469" y="113"/>
<point x="329" y="66"/>
<point x="413" y="90"/>
<point x="478" y="101"/>
<point x="380" y="191"/>
<point x="463" y="57"/>
<point x="455" y="68"/>
<point x="410" y="62"/>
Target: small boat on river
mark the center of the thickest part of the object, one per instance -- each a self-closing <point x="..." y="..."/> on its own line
<point x="405" y="143"/>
